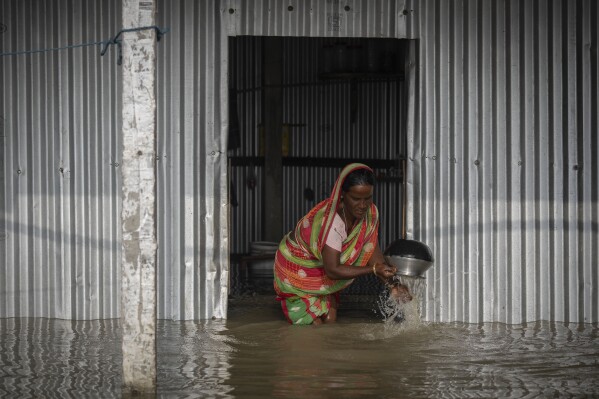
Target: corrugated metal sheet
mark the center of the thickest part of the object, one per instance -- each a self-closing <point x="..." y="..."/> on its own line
<point x="61" y="190"/>
<point x="316" y="18"/>
<point x="503" y="167"/>
<point x="503" y="176"/>
<point x="193" y="272"/>
<point x="60" y="194"/>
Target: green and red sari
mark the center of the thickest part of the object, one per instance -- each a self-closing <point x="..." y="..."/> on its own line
<point x="300" y="281"/>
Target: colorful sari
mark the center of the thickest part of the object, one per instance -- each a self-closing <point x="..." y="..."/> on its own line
<point x="300" y="281"/>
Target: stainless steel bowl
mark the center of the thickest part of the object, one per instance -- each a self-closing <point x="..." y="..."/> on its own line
<point x="409" y="267"/>
<point x="412" y="258"/>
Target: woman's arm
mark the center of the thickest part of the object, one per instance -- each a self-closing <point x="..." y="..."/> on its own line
<point x="336" y="271"/>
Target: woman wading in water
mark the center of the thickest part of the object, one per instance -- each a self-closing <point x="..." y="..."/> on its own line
<point x="333" y="244"/>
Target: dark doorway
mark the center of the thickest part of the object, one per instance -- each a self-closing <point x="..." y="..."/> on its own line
<point x="342" y="100"/>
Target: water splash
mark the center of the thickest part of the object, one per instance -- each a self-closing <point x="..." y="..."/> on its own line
<point x="396" y="312"/>
<point x="415" y="284"/>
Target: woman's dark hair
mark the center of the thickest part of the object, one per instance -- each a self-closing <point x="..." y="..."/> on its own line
<point x="359" y="177"/>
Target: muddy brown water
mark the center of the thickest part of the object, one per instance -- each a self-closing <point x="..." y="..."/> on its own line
<point x="256" y="354"/>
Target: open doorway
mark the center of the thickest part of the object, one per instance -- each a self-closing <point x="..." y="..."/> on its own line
<point x="342" y="100"/>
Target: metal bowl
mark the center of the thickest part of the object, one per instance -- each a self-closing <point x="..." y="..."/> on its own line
<point x="412" y="258"/>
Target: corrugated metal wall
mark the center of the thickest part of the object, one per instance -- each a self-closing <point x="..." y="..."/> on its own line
<point x="317" y="18"/>
<point x="502" y="132"/>
<point x="503" y="175"/>
<point x="193" y="243"/>
<point x="503" y="159"/>
<point x="60" y="193"/>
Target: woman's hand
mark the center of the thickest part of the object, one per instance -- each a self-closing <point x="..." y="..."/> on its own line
<point x="384" y="271"/>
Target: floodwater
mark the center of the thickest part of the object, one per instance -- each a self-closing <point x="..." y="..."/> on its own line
<point x="256" y="354"/>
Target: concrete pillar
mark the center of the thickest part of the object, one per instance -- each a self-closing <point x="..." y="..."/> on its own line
<point x="138" y="273"/>
<point x="272" y="118"/>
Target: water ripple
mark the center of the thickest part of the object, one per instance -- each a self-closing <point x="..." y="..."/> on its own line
<point x="57" y="358"/>
<point x="255" y="356"/>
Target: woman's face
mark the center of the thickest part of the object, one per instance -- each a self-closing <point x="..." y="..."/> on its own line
<point x="357" y="200"/>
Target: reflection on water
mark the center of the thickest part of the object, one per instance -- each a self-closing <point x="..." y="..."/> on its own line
<point x="42" y="358"/>
<point x="256" y="354"/>
<point x="194" y="359"/>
